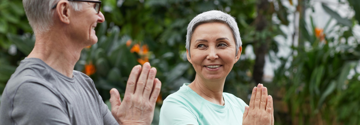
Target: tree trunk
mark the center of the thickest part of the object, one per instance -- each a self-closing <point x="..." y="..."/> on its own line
<point x="261" y="46"/>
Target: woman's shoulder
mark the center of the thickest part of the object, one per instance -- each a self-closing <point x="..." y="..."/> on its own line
<point x="234" y="100"/>
<point x="183" y="94"/>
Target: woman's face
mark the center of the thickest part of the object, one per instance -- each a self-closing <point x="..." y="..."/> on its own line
<point x="212" y="50"/>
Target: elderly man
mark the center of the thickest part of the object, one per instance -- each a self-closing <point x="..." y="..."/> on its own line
<point x="46" y="90"/>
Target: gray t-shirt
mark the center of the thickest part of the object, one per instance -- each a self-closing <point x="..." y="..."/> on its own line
<point x="36" y="94"/>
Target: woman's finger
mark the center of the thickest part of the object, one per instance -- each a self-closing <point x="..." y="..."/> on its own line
<point x="264" y="96"/>
<point x="269" y="106"/>
<point x="252" y="99"/>
<point x="258" y="96"/>
<point x="272" y="109"/>
<point x="246" y="112"/>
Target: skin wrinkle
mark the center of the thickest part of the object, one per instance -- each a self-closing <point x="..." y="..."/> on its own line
<point x="209" y="84"/>
<point x="56" y="57"/>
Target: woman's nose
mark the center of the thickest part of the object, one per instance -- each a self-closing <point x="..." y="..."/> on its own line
<point x="213" y="54"/>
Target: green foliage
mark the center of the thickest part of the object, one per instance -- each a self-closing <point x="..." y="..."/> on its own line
<point x="13" y="21"/>
<point x="316" y="80"/>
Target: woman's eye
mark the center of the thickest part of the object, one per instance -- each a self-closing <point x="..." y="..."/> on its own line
<point x="222" y="45"/>
<point x="200" y="46"/>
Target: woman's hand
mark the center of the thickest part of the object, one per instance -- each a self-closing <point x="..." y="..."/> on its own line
<point x="261" y="108"/>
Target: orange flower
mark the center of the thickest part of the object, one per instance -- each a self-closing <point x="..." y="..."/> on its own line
<point x="319" y="33"/>
<point x="145" y="49"/>
<point x="128" y="43"/>
<point x="89" y="69"/>
<point x="159" y="99"/>
<point x="87" y="47"/>
<point x="135" y="48"/>
<point x="142" y="61"/>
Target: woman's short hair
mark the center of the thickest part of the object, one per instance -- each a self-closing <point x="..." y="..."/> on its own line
<point x="39" y="13"/>
<point x="213" y="16"/>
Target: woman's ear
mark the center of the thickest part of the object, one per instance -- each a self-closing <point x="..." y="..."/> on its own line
<point x="237" y="57"/>
<point x="63" y="11"/>
<point x="188" y="56"/>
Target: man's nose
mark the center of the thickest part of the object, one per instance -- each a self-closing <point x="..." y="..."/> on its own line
<point x="101" y="18"/>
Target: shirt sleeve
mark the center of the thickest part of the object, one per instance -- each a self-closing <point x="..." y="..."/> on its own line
<point x="173" y="112"/>
<point x="35" y="104"/>
<point x="106" y="113"/>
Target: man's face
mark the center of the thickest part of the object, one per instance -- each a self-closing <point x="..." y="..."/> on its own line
<point x="83" y="24"/>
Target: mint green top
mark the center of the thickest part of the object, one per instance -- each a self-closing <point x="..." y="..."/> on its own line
<point x="186" y="107"/>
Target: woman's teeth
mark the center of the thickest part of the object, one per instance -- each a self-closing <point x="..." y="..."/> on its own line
<point x="213" y="67"/>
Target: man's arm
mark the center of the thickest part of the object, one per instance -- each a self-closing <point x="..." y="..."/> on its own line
<point x="35" y="104"/>
<point x="141" y="92"/>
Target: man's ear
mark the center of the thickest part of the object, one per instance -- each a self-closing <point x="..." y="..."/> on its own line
<point x="188" y="56"/>
<point x="238" y="54"/>
<point x="63" y="11"/>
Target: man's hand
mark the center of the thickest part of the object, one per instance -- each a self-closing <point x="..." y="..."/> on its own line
<point x="141" y="93"/>
<point x="261" y="108"/>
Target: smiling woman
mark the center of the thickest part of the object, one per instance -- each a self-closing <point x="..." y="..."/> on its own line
<point x="213" y="47"/>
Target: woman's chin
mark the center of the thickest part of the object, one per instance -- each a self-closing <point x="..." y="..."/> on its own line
<point x="214" y="77"/>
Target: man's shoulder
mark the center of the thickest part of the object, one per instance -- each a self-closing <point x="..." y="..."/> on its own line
<point x="30" y="72"/>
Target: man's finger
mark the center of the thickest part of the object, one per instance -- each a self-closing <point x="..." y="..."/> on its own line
<point x="264" y="96"/>
<point x="142" y="79"/>
<point x="258" y="96"/>
<point x="114" y="98"/>
<point x="246" y="112"/>
<point x="156" y="91"/>
<point x="252" y="99"/>
<point x="149" y="83"/>
<point x="131" y="83"/>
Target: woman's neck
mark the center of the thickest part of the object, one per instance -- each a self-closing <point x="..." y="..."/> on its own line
<point x="210" y="90"/>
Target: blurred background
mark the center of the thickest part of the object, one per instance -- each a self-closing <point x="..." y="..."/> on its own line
<point x="306" y="52"/>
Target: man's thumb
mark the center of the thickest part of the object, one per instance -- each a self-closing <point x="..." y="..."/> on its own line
<point x="114" y="98"/>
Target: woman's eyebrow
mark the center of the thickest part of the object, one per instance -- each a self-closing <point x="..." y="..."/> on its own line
<point x="219" y="39"/>
<point x="201" y="40"/>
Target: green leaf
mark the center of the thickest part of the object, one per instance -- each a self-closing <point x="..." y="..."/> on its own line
<point x="10" y="17"/>
<point x="102" y="67"/>
<point x="101" y="29"/>
<point x="327" y="92"/>
<point x="3" y="26"/>
<point x="6" y="71"/>
<point x="25" y="45"/>
<point x="355" y="4"/>
<point x="176" y="72"/>
<point x="114" y="75"/>
<point x="335" y="15"/>
<point x="343" y="75"/>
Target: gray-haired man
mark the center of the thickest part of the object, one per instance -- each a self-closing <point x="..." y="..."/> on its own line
<point x="46" y="90"/>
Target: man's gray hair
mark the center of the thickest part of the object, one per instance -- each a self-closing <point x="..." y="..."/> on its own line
<point x="213" y="16"/>
<point x="40" y="14"/>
